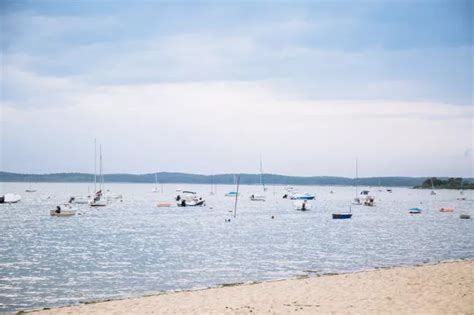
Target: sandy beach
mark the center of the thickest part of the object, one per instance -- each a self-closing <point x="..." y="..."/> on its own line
<point x="444" y="288"/>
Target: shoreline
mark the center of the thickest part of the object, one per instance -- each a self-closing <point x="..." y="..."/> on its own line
<point x="277" y="296"/>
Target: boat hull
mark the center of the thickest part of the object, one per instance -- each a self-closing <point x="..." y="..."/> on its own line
<point x="342" y="215"/>
<point x="62" y="213"/>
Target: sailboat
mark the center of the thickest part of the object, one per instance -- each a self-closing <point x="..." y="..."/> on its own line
<point x="357" y="200"/>
<point x="30" y="190"/>
<point x="433" y="192"/>
<point x="343" y="215"/>
<point x="364" y="198"/>
<point x="260" y="196"/>
<point x="97" y="200"/>
<point x="156" y="184"/>
<point x="233" y="193"/>
<point x="212" y="186"/>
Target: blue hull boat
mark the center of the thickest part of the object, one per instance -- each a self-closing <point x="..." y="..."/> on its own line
<point x="342" y="215"/>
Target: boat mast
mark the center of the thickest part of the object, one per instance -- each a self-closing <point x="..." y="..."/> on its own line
<point x="100" y="168"/>
<point x="261" y="174"/>
<point x="95" y="165"/>
<point x="236" y="196"/>
<point x="357" y="176"/>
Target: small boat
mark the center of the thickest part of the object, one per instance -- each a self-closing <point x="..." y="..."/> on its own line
<point x="231" y="194"/>
<point x="163" y="204"/>
<point x="80" y="200"/>
<point x="189" y="199"/>
<point x="415" y="210"/>
<point x="98" y="203"/>
<point x="433" y="192"/>
<point x="29" y="189"/>
<point x="257" y="197"/>
<point x="304" y="196"/>
<point x="342" y="215"/>
<point x="65" y="211"/>
<point x="10" y="198"/>
<point x="192" y="202"/>
<point x="389" y="190"/>
<point x="302" y="205"/>
<point x="155" y="190"/>
<point x="446" y="210"/>
<point x="365" y="199"/>
<point x="465" y="216"/>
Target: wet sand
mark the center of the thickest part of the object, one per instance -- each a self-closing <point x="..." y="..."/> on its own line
<point x="444" y="288"/>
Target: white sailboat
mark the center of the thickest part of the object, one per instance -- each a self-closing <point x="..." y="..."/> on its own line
<point x="357" y="200"/>
<point x="30" y="190"/>
<point x="433" y="192"/>
<point x="155" y="190"/>
<point x="260" y="196"/>
<point x="364" y="198"/>
<point x="97" y="200"/>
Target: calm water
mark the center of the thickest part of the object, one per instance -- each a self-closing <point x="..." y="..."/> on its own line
<point x="133" y="247"/>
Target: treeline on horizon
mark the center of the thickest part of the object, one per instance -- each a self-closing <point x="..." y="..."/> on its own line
<point x="247" y="179"/>
<point x="450" y="183"/>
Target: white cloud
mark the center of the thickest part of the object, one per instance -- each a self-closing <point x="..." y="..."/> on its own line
<point x="224" y="126"/>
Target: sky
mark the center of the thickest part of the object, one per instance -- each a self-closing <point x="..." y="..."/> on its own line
<point x="210" y="87"/>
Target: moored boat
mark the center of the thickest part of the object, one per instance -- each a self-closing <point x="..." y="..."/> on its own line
<point x="257" y="197"/>
<point x="62" y="211"/>
<point x="10" y="198"/>
<point x="342" y="215"/>
<point x="415" y="210"/>
<point x="304" y="196"/>
<point x="446" y="209"/>
<point x="302" y="205"/>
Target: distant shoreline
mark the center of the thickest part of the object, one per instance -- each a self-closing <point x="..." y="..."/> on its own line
<point x="218" y="179"/>
<point x="443" y="287"/>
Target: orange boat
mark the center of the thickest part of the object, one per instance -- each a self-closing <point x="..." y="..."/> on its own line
<point x="446" y="210"/>
<point x="163" y="204"/>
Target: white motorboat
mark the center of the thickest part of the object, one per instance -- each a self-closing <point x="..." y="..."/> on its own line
<point x="365" y="198"/>
<point x="10" y="198"/>
<point x="304" y="196"/>
<point x="189" y="199"/>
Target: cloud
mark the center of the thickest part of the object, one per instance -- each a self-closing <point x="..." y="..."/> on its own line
<point x="224" y="126"/>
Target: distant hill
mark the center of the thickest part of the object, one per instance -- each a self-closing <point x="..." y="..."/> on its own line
<point x="450" y="183"/>
<point x="167" y="177"/>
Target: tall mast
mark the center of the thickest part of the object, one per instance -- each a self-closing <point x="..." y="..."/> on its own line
<point x="261" y="174"/>
<point x="100" y="167"/>
<point x="357" y="175"/>
<point x="95" y="165"/>
<point x="236" y="196"/>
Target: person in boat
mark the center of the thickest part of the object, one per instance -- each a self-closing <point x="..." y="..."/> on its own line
<point x="178" y="198"/>
<point x="58" y="209"/>
<point x="71" y="200"/>
<point x="303" y="206"/>
<point x="183" y="203"/>
<point x="285" y="196"/>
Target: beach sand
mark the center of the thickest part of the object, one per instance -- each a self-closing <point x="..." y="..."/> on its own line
<point x="444" y="288"/>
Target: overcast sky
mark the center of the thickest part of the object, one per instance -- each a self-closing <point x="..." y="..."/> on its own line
<point x="209" y="88"/>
